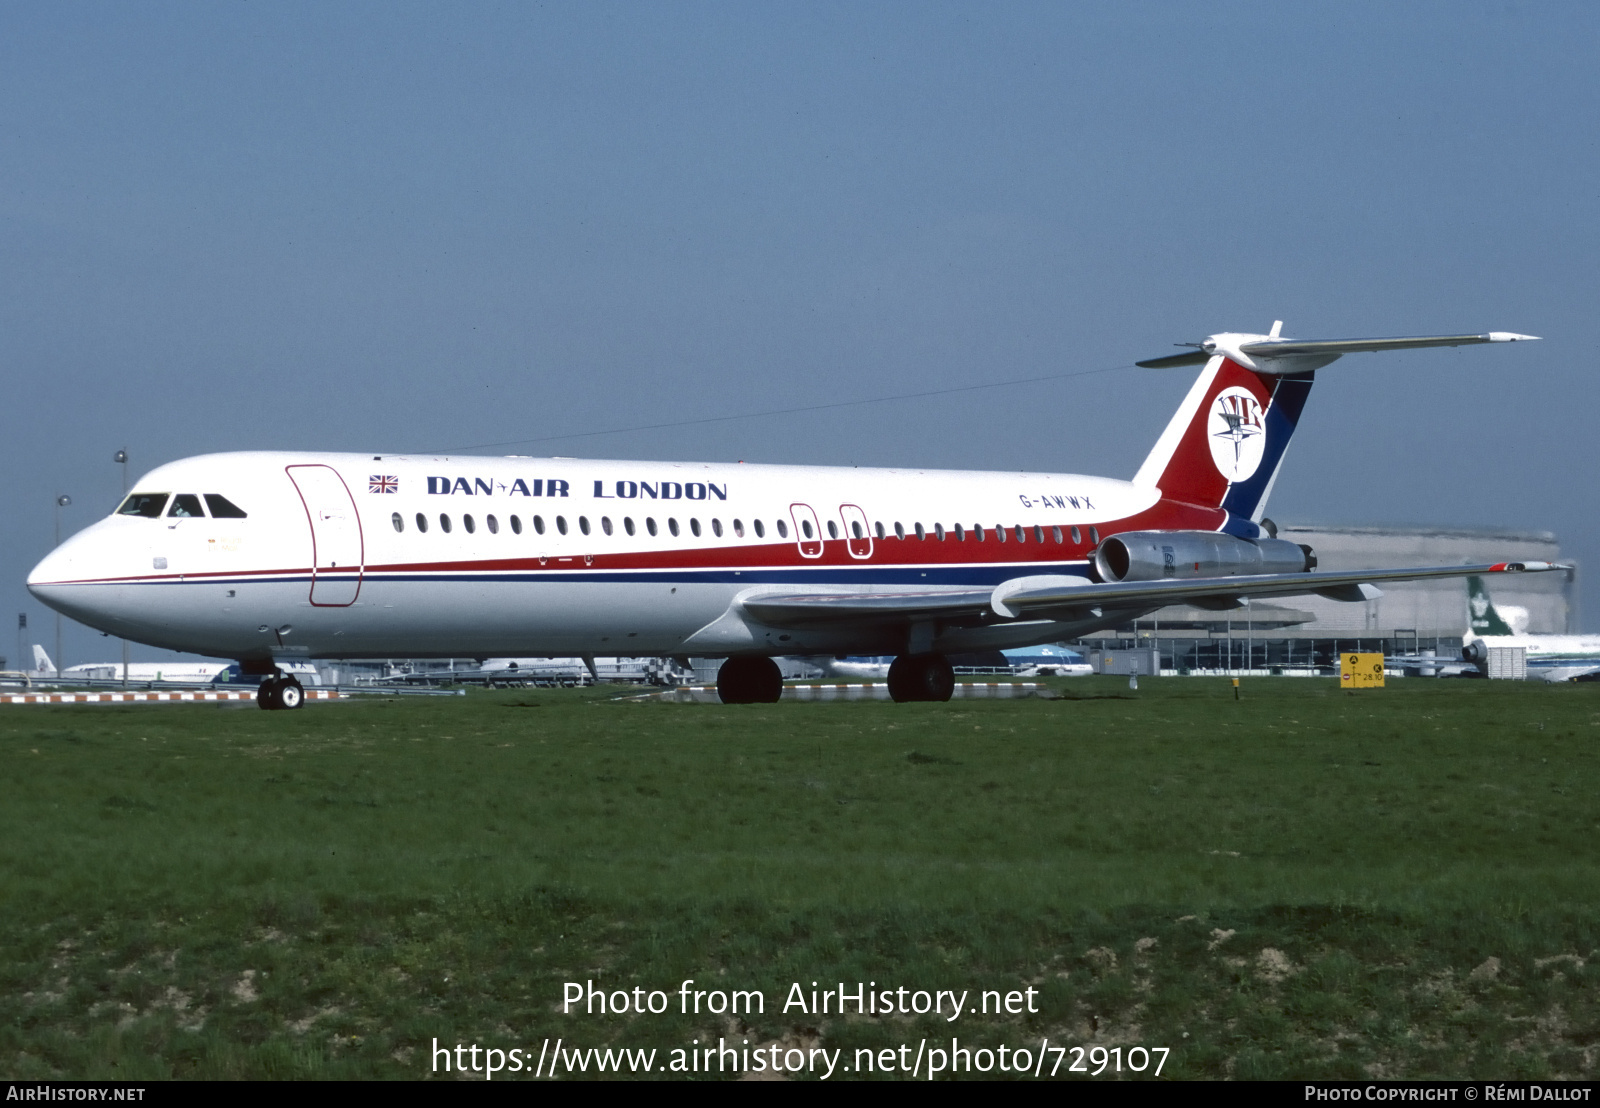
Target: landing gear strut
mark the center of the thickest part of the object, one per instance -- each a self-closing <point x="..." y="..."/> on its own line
<point x="280" y="693"/>
<point x="749" y="681"/>
<point x="921" y="677"/>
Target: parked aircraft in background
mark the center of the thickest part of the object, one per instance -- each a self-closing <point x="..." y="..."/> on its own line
<point x="1047" y="661"/>
<point x="855" y="667"/>
<point x="275" y="557"/>
<point x="179" y="672"/>
<point x="1549" y="657"/>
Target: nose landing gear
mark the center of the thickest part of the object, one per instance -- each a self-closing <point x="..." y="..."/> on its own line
<point x="921" y="677"/>
<point x="280" y="694"/>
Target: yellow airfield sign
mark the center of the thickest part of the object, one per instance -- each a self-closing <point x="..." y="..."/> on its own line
<point x="1361" y="671"/>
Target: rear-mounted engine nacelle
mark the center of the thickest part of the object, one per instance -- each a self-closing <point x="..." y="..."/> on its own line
<point x="1163" y="555"/>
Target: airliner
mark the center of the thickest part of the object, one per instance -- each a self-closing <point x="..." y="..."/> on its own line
<point x="1552" y="658"/>
<point x="271" y="557"/>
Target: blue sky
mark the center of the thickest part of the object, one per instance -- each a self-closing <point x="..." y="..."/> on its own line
<point x="395" y="227"/>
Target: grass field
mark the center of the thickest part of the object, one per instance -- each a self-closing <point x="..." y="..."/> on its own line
<point x="1307" y="882"/>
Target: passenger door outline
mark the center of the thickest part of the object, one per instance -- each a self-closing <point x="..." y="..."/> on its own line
<point x="338" y="545"/>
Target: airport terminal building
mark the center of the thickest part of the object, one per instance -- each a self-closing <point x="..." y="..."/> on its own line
<point x="1301" y="632"/>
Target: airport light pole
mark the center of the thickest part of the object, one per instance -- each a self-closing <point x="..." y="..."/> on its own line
<point x="62" y="501"/>
<point x="121" y="458"/>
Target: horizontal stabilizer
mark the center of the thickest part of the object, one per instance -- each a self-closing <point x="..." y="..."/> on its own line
<point x="1173" y="361"/>
<point x="1274" y="354"/>
<point x="1283" y="348"/>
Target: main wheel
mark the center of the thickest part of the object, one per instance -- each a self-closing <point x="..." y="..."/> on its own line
<point x="749" y="681"/>
<point x="267" y="694"/>
<point x="290" y="693"/>
<point x="921" y="677"/>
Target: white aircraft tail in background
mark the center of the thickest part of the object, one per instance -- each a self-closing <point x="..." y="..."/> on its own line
<point x="42" y="665"/>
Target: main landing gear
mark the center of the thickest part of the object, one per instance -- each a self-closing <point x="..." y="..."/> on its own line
<point x="749" y="681"/>
<point x="912" y="677"/>
<point x="921" y="677"/>
<point x="280" y="693"/>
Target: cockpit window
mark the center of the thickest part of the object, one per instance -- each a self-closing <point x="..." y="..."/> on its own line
<point x="146" y="504"/>
<point x="223" y="508"/>
<point x="186" y="504"/>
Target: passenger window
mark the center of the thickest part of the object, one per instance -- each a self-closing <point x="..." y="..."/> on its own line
<point x="186" y="505"/>
<point x="938" y="531"/>
<point x="761" y="529"/>
<point x="1077" y="536"/>
<point x="716" y="528"/>
<point x="899" y="531"/>
<point x="1022" y="535"/>
<point x="805" y="528"/>
<point x="922" y="536"/>
<point x="1056" y="534"/>
<point x="516" y="525"/>
<point x="833" y="529"/>
<point x="879" y="528"/>
<point x="978" y="530"/>
<point x="605" y="524"/>
<point x="856" y="529"/>
<point x="783" y="529"/>
<point x="466" y="521"/>
<point x="147" y="505"/>
<point x="627" y="524"/>
<point x="444" y="523"/>
<point x="1094" y="535"/>
<point x="422" y="523"/>
<point x="672" y="526"/>
<point x="583" y="524"/>
<point x="561" y="524"/>
<point x="493" y="525"/>
<point x="738" y="528"/>
<point x="399" y="524"/>
<point x="694" y="528"/>
<point x="961" y="533"/>
<point x="1038" y="533"/>
<point x="1000" y="533"/>
<point x="650" y="525"/>
<point x="538" y="525"/>
<point x="223" y="508"/>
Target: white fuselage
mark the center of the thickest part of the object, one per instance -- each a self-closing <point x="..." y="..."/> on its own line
<point x="351" y="555"/>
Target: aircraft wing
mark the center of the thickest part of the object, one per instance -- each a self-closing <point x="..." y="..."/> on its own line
<point x="1073" y="598"/>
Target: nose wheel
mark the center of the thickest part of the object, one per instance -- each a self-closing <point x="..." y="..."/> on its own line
<point x="921" y="677"/>
<point x="280" y="693"/>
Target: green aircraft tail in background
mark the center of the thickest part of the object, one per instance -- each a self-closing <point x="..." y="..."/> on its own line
<point x="1481" y="616"/>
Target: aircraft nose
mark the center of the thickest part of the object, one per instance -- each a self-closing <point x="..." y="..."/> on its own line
<point x="48" y="581"/>
<point x="60" y="580"/>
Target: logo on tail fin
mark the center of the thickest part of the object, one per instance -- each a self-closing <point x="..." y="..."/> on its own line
<point x="1237" y="433"/>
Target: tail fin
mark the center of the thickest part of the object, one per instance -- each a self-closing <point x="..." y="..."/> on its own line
<point x="1224" y="446"/>
<point x="1483" y="621"/>
<point x="41" y="661"/>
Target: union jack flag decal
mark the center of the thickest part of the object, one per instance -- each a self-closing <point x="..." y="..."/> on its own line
<point x="383" y="484"/>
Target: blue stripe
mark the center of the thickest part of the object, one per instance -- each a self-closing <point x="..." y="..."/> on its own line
<point x="1281" y="417"/>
